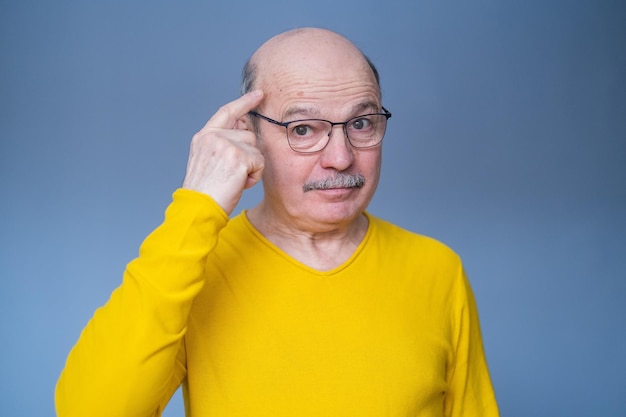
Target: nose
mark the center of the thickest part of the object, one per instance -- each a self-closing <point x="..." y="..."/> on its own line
<point x="338" y="153"/>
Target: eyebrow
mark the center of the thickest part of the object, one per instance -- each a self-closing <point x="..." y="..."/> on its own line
<point x="304" y="111"/>
<point x="307" y="111"/>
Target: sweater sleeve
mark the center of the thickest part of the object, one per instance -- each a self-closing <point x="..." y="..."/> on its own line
<point x="129" y="359"/>
<point x="471" y="391"/>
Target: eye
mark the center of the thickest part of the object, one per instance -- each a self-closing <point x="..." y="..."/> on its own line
<point x="307" y="129"/>
<point x="360" y="123"/>
<point x="301" y="130"/>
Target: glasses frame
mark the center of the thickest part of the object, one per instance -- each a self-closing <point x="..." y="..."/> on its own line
<point x="385" y="113"/>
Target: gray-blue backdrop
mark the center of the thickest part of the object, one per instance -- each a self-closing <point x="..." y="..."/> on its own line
<point x="507" y="142"/>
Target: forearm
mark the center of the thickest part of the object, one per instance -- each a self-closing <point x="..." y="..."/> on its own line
<point x="125" y="360"/>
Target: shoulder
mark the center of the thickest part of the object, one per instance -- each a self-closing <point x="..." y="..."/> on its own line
<point x="422" y="266"/>
<point x="394" y="237"/>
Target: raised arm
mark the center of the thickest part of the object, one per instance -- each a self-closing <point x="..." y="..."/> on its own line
<point x="129" y="358"/>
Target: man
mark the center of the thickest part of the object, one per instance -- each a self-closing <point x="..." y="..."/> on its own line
<point x="305" y="305"/>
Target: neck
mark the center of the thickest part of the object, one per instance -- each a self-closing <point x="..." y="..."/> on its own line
<point x="319" y="246"/>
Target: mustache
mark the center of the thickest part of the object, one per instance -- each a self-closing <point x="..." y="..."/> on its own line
<point x="338" y="181"/>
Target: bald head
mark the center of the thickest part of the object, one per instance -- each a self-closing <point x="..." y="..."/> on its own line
<point x="305" y="49"/>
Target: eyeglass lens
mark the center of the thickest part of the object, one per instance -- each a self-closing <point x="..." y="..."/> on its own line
<point x="313" y="135"/>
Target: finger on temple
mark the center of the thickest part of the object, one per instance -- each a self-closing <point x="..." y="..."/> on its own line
<point x="228" y="114"/>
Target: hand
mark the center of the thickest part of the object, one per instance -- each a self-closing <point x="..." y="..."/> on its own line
<point x="224" y="159"/>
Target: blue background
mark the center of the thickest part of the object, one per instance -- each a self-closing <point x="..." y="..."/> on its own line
<point x="507" y="142"/>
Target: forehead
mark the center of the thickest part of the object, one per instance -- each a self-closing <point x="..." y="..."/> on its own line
<point x="313" y="90"/>
<point x="312" y="71"/>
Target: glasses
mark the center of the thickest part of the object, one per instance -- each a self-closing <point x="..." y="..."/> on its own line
<point x="312" y="135"/>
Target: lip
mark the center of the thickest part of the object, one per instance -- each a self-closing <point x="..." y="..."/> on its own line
<point x="335" y="192"/>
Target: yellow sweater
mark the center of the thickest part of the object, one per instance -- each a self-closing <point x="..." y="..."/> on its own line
<point x="249" y="331"/>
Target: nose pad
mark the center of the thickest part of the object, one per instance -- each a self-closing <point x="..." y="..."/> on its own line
<point x="343" y="132"/>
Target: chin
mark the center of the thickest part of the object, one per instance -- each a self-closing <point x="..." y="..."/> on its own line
<point x="335" y="213"/>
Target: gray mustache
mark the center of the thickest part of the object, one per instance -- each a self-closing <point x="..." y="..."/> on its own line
<point x="338" y="181"/>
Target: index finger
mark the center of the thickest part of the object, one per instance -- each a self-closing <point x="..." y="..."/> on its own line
<point x="228" y="114"/>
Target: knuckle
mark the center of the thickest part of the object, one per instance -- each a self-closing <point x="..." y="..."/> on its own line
<point x="225" y="112"/>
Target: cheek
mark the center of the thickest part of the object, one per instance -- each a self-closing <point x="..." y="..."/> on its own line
<point x="370" y="165"/>
<point x="283" y="170"/>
